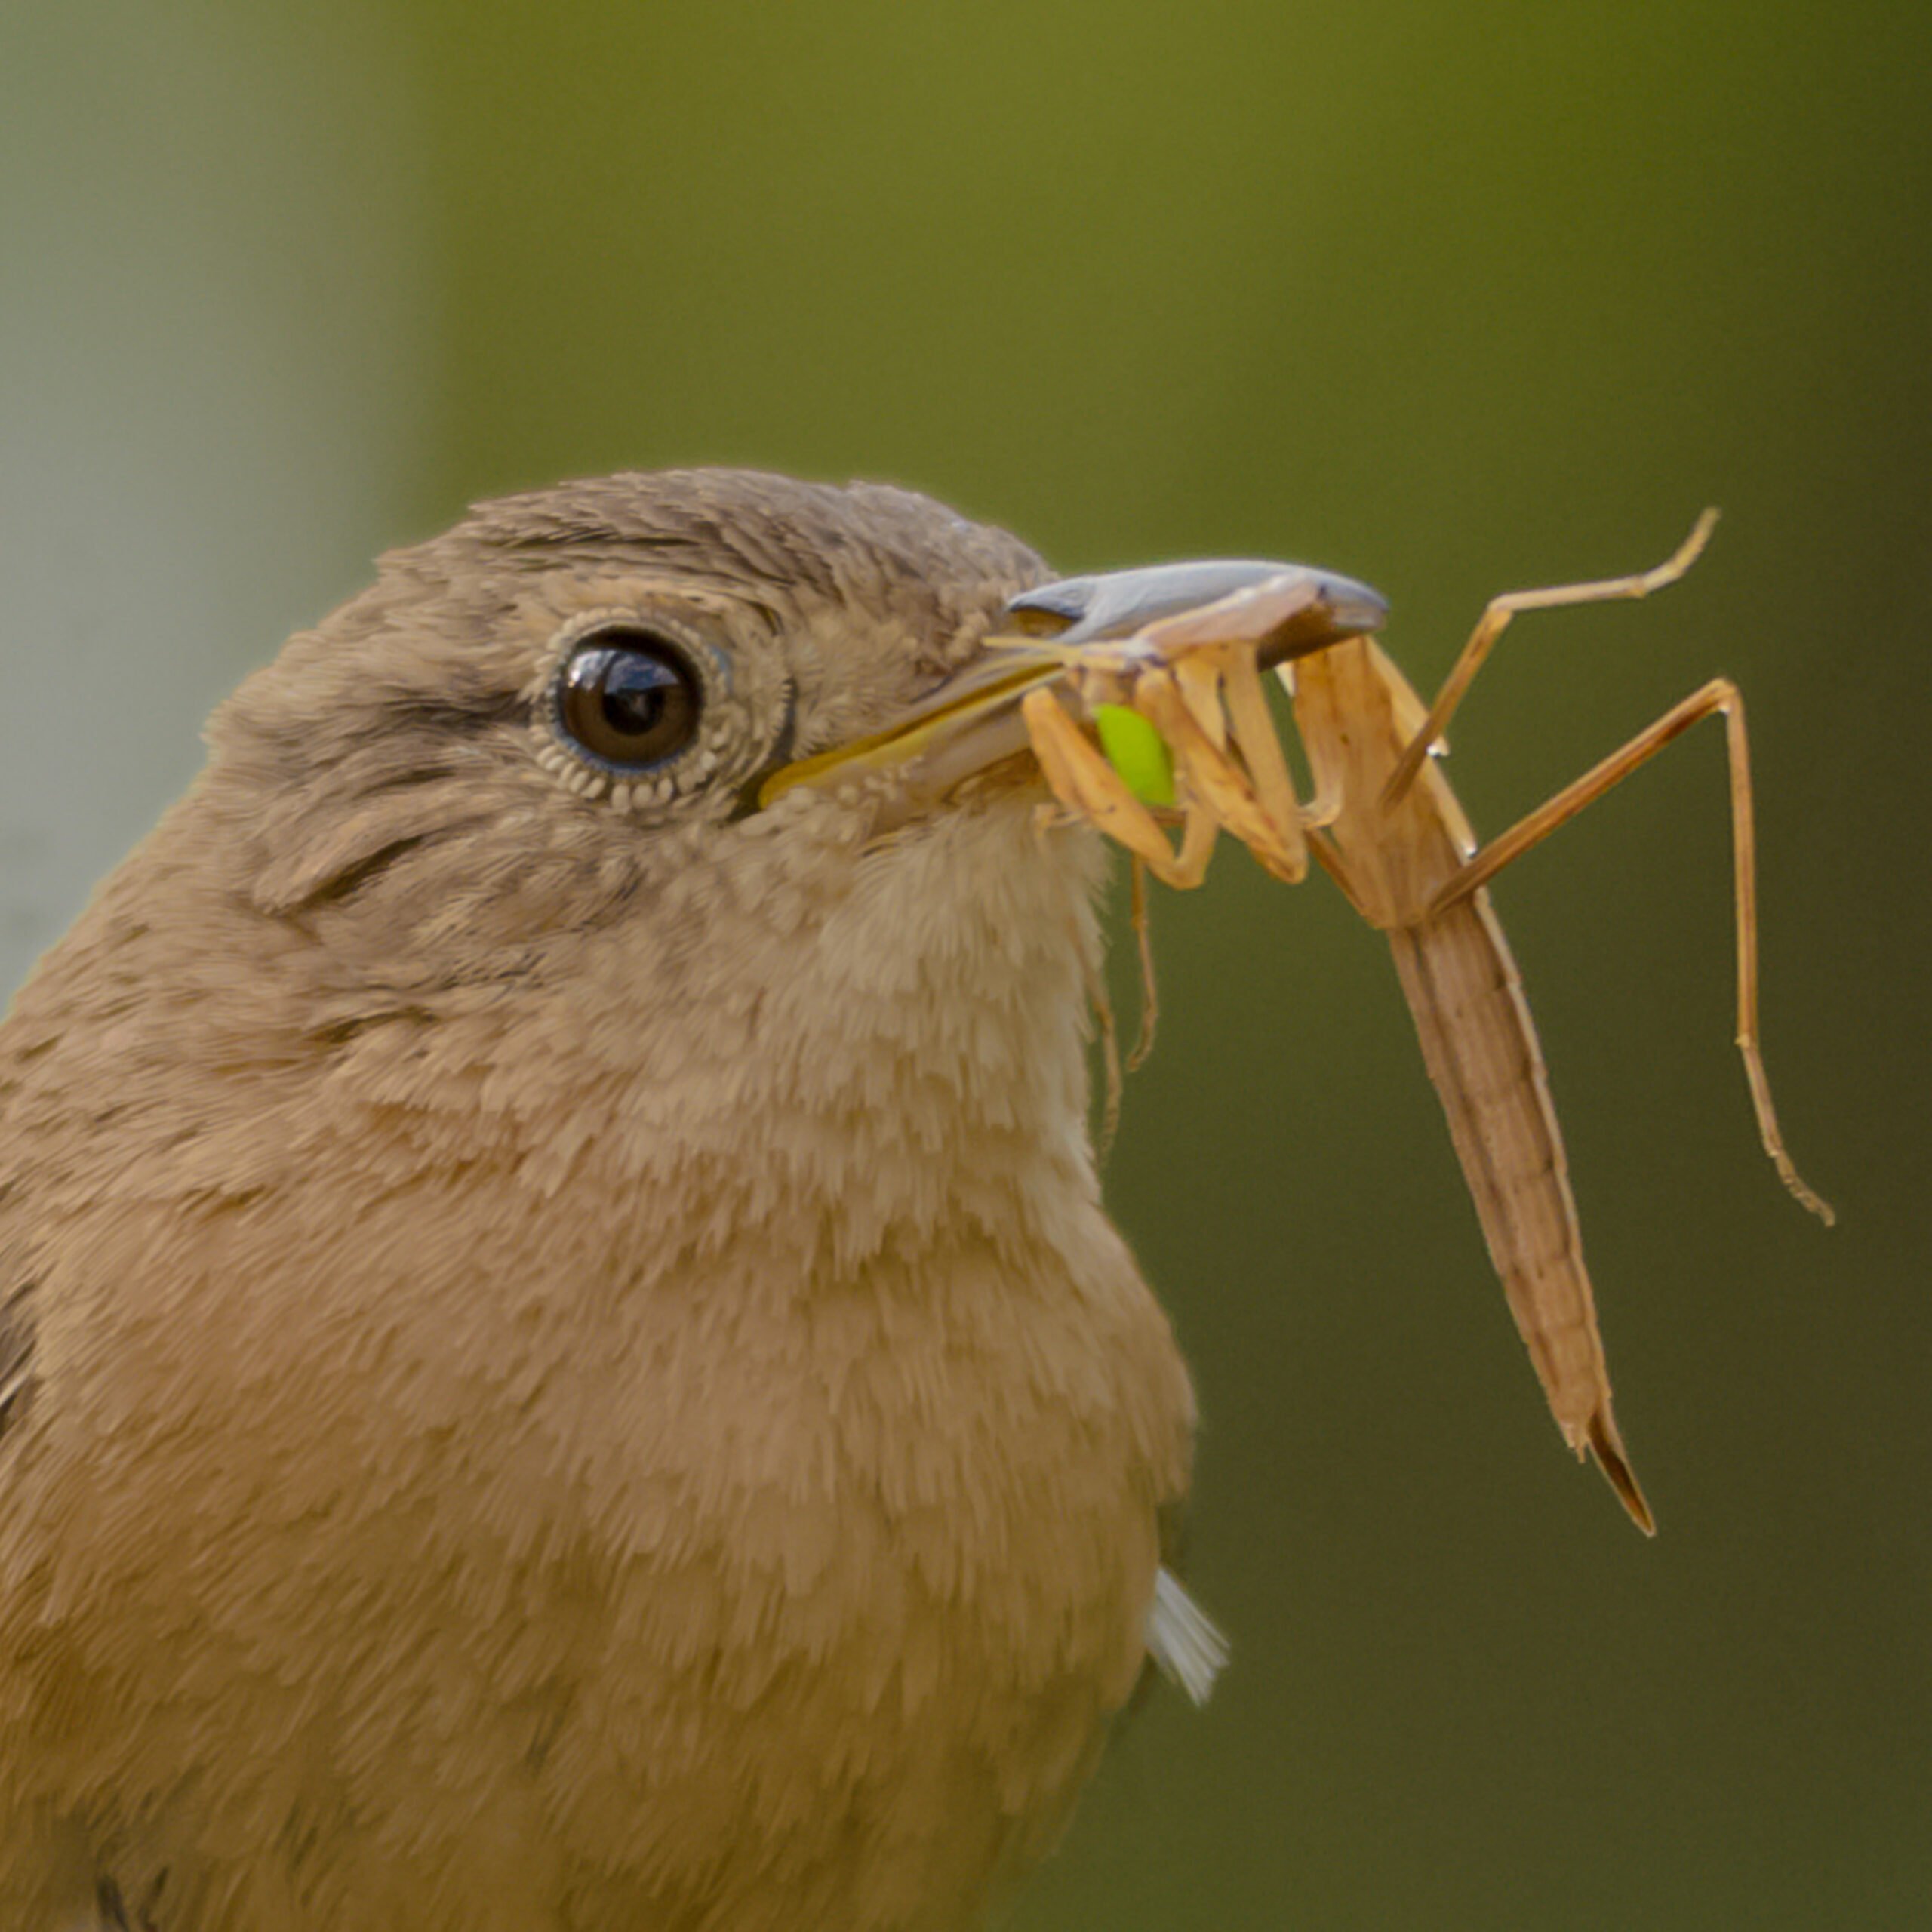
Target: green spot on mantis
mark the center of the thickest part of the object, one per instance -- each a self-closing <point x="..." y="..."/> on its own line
<point x="1137" y="752"/>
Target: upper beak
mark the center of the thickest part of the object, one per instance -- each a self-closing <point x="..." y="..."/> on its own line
<point x="973" y="722"/>
<point x="1116" y="605"/>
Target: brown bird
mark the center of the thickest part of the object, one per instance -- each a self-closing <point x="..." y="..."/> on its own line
<point x="562" y="1367"/>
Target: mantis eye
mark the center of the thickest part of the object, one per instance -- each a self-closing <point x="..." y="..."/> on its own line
<point x="630" y="699"/>
<point x="1137" y="752"/>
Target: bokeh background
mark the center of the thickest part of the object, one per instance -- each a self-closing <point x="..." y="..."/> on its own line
<point x="1454" y="298"/>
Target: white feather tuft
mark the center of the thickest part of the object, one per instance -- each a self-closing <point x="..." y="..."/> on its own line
<point x="1183" y="1639"/>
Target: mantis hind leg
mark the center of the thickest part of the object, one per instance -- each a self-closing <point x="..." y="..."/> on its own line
<point x="1495" y="620"/>
<point x="1721" y="696"/>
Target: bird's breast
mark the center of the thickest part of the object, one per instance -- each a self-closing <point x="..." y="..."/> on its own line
<point x="882" y="1567"/>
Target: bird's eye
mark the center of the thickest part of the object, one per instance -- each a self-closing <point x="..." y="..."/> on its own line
<point x="630" y="699"/>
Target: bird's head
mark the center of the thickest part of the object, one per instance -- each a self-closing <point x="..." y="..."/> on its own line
<point x="502" y="832"/>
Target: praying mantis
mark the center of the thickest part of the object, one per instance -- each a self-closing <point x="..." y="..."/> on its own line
<point x="1385" y="825"/>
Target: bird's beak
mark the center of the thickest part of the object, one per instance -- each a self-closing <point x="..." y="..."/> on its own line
<point x="972" y="722"/>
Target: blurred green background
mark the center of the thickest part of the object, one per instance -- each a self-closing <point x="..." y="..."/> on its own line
<point x="1454" y="298"/>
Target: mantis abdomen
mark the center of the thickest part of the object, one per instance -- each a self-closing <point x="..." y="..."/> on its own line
<point x="1481" y="1049"/>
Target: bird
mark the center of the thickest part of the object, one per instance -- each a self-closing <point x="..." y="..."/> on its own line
<point x="563" y="1364"/>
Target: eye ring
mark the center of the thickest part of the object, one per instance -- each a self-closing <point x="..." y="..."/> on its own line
<point x="629" y="699"/>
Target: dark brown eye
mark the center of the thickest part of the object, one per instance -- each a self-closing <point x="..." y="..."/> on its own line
<point x="630" y="699"/>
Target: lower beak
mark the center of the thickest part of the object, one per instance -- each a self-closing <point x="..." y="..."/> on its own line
<point x="972" y="722"/>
